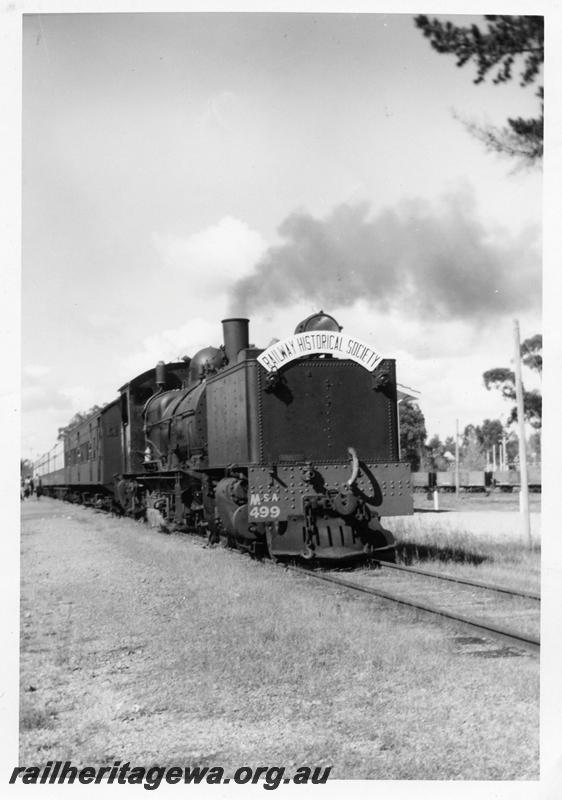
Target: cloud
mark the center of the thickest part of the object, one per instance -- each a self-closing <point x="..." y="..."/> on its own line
<point x="39" y="388"/>
<point x="212" y="261"/>
<point x="214" y="258"/>
<point x="67" y="399"/>
<point x="172" y="344"/>
<point x="46" y="406"/>
<point x="428" y="261"/>
<point x="82" y="398"/>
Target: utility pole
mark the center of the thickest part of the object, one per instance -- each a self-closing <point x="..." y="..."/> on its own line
<point x="457" y="480"/>
<point x="524" y="494"/>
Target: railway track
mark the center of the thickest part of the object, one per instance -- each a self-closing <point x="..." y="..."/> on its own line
<point x="521" y="605"/>
<point x="492" y="587"/>
<point x="473" y="605"/>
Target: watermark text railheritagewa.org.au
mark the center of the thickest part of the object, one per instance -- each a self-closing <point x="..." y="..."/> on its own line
<point x="59" y="772"/>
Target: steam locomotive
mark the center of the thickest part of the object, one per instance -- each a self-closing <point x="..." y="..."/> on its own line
<point x="291" y="451"/>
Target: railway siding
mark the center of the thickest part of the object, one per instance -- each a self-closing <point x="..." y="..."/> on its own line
<point x="489" y="607"/>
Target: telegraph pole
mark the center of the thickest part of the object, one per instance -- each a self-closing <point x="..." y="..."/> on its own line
<point x="457" y="480"/>
<point x="524" y="495"/>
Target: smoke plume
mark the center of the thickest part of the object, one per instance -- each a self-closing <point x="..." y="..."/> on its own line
<point x="422" y="260"/>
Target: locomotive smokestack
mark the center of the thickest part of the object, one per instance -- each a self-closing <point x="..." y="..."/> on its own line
<point x="236" y="338"/>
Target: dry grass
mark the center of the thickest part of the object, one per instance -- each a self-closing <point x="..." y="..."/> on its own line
<point x="171" y="653"/>
<point x="497" y="556"/>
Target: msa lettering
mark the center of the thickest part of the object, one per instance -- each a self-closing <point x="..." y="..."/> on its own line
<point x="267" y="497"/>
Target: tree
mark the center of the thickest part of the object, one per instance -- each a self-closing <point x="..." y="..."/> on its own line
<point x="435" y="450"/>
<point x="489" y="434"/>
<point x="503" y="379"/>
<point x="449" y="445"/>
<point x="531" y="353"/>
<point x="512" y="449"/>
<point x="472" y="455"/>
<point x="534" y="447"/>
<point x="26" y="468"/>
<point x="508" y="39"/>
<point x="412" y="433"/>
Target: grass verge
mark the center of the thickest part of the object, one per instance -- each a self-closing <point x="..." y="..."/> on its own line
<point x="166" y="652"/>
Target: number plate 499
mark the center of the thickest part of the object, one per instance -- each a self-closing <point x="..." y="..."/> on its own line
<point x="264" y="506"/>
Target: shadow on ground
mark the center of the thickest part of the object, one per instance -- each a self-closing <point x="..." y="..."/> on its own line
<point x="408" y="552"/>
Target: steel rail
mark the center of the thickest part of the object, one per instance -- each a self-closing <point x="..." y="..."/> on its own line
<point x="491" y="586"/>
<point x="514" y="637"/>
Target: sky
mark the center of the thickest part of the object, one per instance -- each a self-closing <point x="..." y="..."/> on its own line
<point x="178" y="169"/>
<point x="182" y="168"/>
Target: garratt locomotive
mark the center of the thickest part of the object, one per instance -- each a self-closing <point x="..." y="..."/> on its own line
<point x="292" y="450"/>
